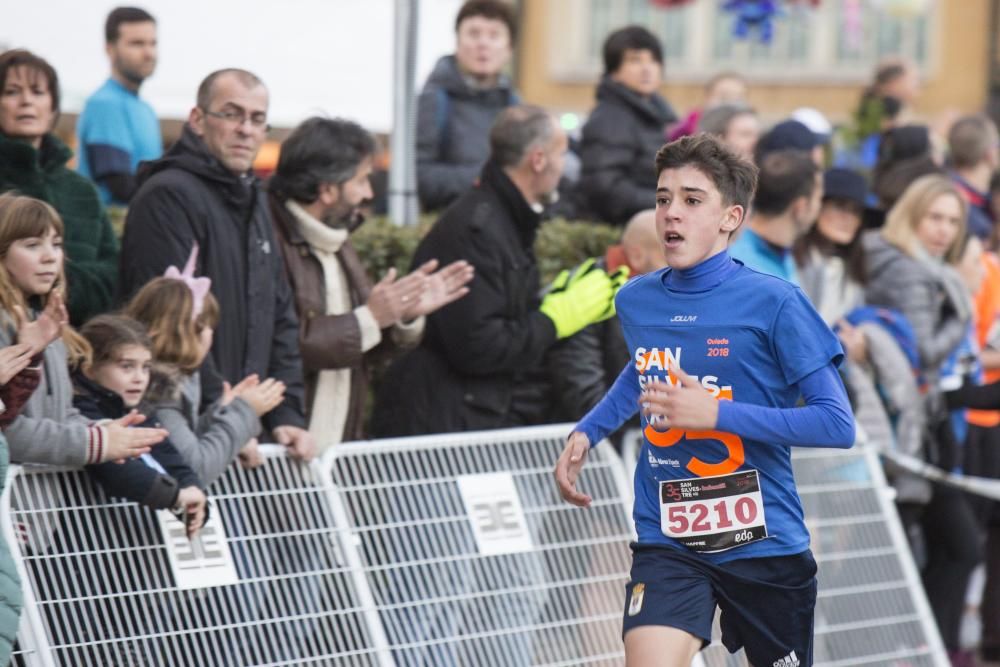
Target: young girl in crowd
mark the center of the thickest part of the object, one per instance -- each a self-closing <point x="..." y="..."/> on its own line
<point x="112" y="384"/>
<point x="180" y="314"/>
<point x="49" y="429"/>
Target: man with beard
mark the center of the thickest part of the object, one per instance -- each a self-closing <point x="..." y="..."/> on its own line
<point x="345" y="322"/>
<point x="117" y="130"/>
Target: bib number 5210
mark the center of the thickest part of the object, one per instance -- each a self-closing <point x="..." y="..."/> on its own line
<point x="709" y="514"/>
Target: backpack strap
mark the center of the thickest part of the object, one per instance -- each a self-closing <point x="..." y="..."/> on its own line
<point x="442" y="111"/>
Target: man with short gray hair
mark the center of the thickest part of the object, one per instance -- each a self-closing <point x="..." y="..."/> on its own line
<point x="478" y="363"/>
<point x="203" y="192"/>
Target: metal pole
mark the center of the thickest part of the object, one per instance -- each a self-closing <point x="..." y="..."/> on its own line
<point x="403" y="208"/>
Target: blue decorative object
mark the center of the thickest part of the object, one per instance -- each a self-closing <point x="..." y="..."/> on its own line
<point x="753" y="16"/>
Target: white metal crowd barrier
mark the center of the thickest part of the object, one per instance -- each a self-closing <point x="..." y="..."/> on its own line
<point x="440" y="550"/>
<point x="473" y="558"/>
<point x="106" y="585"/>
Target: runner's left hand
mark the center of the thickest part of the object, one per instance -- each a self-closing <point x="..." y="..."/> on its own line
<point x="685" y="405"/>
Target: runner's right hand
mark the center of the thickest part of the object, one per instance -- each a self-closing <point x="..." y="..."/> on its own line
<point x="568" y="469"/>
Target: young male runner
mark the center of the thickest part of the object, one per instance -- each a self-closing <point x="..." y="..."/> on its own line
<point x="718" y="518"/>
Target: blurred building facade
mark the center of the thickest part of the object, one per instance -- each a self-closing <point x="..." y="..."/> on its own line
<point x="813" y="60"/>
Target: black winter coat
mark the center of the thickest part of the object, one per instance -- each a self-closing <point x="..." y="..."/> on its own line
<point x="133" y="479"/>
<point x="618" y="151"/>
<point x="480" y="357"/>
<point x="453" y="129"/>
<point x="188" y="196"/>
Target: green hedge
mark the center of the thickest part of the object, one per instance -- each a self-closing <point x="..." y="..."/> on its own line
<point x="561" y="244"/>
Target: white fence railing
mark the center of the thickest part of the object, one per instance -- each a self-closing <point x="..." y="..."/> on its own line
<point x="439" y="550"/>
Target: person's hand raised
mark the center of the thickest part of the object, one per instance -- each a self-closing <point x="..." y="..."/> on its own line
<point x="125" y="442"/>
<point x="13" y="360"/>
<point x="46" y="327"/>
<point x="385" y="302"/>
<point x="441" y="287"/>
<point x="265" y="396"/>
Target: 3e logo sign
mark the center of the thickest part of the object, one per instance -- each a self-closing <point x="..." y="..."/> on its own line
<point x="495" y="514"/>
<point x="695" y="518"/>
<point x="495" y="517"/>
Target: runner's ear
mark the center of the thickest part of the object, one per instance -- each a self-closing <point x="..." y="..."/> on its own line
<point x="734" y="216"/>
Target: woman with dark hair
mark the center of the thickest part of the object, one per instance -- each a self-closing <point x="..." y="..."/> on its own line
<point x="830" y="258"/>
<point x="905" y="154"/>
<point x="33" y="163"/>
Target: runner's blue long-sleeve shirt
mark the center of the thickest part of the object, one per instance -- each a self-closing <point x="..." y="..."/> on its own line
<point x="754" y="342"/>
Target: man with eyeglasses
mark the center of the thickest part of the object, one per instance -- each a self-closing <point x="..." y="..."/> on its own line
<point x="204" y="192"/>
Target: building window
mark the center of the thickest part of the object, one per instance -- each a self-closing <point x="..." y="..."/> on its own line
<point x="808" y="44"/>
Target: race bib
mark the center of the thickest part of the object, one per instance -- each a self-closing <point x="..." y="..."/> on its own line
<point x="708" y="514"/>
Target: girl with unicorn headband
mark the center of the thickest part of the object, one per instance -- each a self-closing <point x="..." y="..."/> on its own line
<point x="180" y="313"/>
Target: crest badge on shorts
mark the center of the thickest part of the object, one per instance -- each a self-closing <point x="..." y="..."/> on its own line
<point x="635" y="601"/>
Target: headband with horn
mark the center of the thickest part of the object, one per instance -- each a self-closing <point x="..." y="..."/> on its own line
<point x="199" y="286"/>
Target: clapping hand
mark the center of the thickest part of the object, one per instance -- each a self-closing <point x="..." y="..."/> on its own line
<point x="441" y="288"/>
<point x="46" y="327"/>
<point x="261" y="396"/>
<point x="13" y="360"/>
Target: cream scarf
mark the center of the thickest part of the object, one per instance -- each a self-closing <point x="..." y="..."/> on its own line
<point x="333" y="388"/>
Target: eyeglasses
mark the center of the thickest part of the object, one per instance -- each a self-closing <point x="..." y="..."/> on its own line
<point x="257" y="121"/>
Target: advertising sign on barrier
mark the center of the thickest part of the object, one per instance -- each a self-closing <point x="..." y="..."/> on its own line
<point x="202" y="561"/>
<point x="495" y="513"/>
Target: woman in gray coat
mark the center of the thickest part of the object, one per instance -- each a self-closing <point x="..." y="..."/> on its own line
<point x="908" y="270"/>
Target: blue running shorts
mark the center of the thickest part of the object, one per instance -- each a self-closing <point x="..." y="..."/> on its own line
<point x="767" y="603"/>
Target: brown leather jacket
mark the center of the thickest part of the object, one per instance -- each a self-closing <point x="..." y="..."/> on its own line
<point x="328" y="341"/>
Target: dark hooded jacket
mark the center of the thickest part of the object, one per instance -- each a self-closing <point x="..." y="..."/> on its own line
<point x="133" y="479"/>
<point x="618" y="150"/>
<point x="453" y="127"/>
<point x="189" y="197"/>
<point x="91" y="246"/>
<point x="479" y="363"/>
